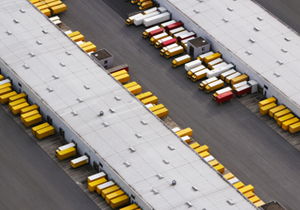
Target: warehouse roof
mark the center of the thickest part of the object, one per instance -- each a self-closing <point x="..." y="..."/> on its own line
<point x="261" y="41"/>
<point x="77" y="89"/>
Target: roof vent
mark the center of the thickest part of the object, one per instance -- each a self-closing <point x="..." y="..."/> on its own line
<point x="173" y="182"/>
<point x="86" y="87"/>
<point x="252" y="40"/>
<point x="144" y="122"/>
<point x="31" y="54"/>
<point x="225" y="20"/>
<point x="283" y="50"/>
<point x="38" y="42"/>
<point x="16" y="21"/>
<point x="49" y="89"/>
<point x="79" y="100"/>
<point x="138" y="135"/>
<point x="287" y="39"/>
<point x="230" y="9"/>
<point x="171" y="147"/>
<point x="196" y="11"/>
<point x="132" y="149"/>
<point x="68" y="53"/>
<point x="200" y="1"/>
<point x="256" y="29"/>
<point x="195" y="188"/>
<point x="117" y="98"/>
<point x="230" y="202"/>
<point x="259" y="18"/>
<point x="45" y="31"/>
<point x="189" y="204"/>
<point x="101" y="113"/>
<point x="166" y="161"/>
<point x="62" y="64"/>
<point x="55" y="76"/>
<point x="280" y="62"/>
<point x="26" y="66"/>
<point x="277" y="74"/>
<point x="111" y="110"/>
<point x="160" y="176"/>
<point x="248" y="52"/>
<point x="9" y="32"/>
<point x="105" y="124"/>
<point x="22" y="10"/>
<point x="74" y="113"/>
<point x="155" y="191"/>
<point x="127" y="164"/>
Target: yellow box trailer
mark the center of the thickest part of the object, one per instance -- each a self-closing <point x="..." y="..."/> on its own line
<point x="220" y="168"/>
<point x="123" y="78"/>
<point x="34" y="1"/>
<point x="174" y="51"/>
<point x="281" y="113"/>
<point x="144" y="95"/>
<point x="119" y="73"/>
<point x="276" y="109"/>
<point x="29" y="109"/>
<point x="161" y="112"/>
<point x="17" y="97"/>
<point x="204" y="154"/>
<point x="46" y="12"/>
<point x="295" y="127"/>
<point x="264" y="110"/>
<point x="113" y="195"/>
<point x="151" y="99"/>
<point x="17" y="102"/>
<point x="157" y="107"/>
<point x="214" y="86"/>
<point x="86" y="44"/>
<point x="96" y="177"/>
<point x="135" y="89"/>
<point x="239" y="79"/>
<point x="195" y="145"/>
<point x="39" y="127"/>
<point x="78" y="38"/>
<point x="146" y="5"/>
<point x="254" y="199"/>
<point x="54" y="3"/>
<point x="288" y="123"/>
<point x="109" y="190"/>
<point x="199" y="75"/>
<point x="186" y="139"/>
<point x="91" y="48"/>
<point x="214" y="163"/>
<point x="248" y="188"/>
<point x="131" y="84"/>
<point x="185" y="132"/>
<point x="45" y="132"/>
<point x="17" y="109"/>
<point x="104" y="186"/>
<point x="75" y="163"/>
<point x="119" y="201"/>
<point x="280" y="120"/>
<point x="43" y="7"/>
<point x="130" y="207"/>
<point x="67" y="153"/>
<point x="249" y="194"/>
<point x="75" y="33"/>
<point x="5" y="90"/>
<point x="267" y="101"/>
<point x="28" y="114"/>
<point x="93" y="185"/>
<point x="181" y="60"/>
<point x="1" y="77"/>
<point x="239" y="185"/>
<point x="6" y="85"/>
<point x="58" y="9"/>
<point x="259" y="203"/>
<point x="228" y="176"/>
<point x="203" y="148"/>
<point x="209" y="58"/>
<point x="39" y="3"/>
<point x="32" y="120"/>
<point x="4" y="98"/>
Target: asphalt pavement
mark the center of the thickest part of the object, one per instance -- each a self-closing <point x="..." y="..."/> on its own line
<point x="29" y="178"/>
<point x="248" y="147"/>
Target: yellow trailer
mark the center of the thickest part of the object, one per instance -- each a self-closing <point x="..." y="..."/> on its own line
<point x="280" y="120"/>
<point x="203" y="148"/>
<point x="199" y="75"/>
<point x="204" y="154"/>
<point x="254" y="199"/>
<point x="212" y="57"/>
<point x="267" y="101"/>
<point x="75" y="163"/>
<point x="131" y="84"/>
<point x="39" y="127"/>
<point x="28" y="114"/>
<point x="144" y="95"/>
<point x="109" y="190"/>
<point x="181" y="60"/>
<point x="141" y="1"/>
<point x="5" y="90"/>
<point x="43" y="133"/>
<point x="90" y="48"/>
<point x="58" y="9"/>
<point x="96" y="177"/>
<point x="75" y="33"/>
<point x="29" y="109"/>
<point x="151" y="99"/>
<point x="134" y="1"/>
<point x="264" y="110"/>
<point x="214" y="86"/>
<point x="104" y="186"/>
<point x="239" y="185"/>
<point x="185" y="132"/>
<point x="1" y="77"/>
<point x="32" y="120"/>
<point x="220" y="168"/>
<point x="78" y="38"/>
<point x="54" y="3"/>
<point x="38" y="4"/>
<point x="86" y="44"/>
<point x="4" y="98"/>
<point x="17" y="97"/>
<point x="249" y="194"/>
<point x="157" y="107"/>
<point x="119" y="73"/>
<point x="214" y="163"/>
<point x="281" y="113"/>
<point x="49" y="1"/>
<point x="34" y="1"/>
<point x="46" y="12"/>
<point x="161" y="112"/>
<point x="228" y="176"/>
<point x="295" y="127"/>
<point x="157" y="37"/>
<point x="174" y="51"/>
<point x="135" y="89"/>
<point x="195" y="145"/>
<point x="6" y="85"/>
<point x="119" y="201"/>
<point x="93" y="185"/>
<point x="288" y="123"/>
<point x="146" y="5"/>
<point x="276" y="109"/>
<point x="248" y="188"/>
<point x="131" y="207"/>
<point x="17" y="109"/>
<point x="239" y="79"/>
<point x="123" y="78"/>
<point x="113" y="195"/>
<point x="67" y="153"/>
<point x="259" y="203"/>
<point x="17" y="102"/>
<point x="43" y="7"/>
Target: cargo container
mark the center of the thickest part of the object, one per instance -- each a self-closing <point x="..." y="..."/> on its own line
<point x="131" y="84"/>
<point x="229" y="78"/>
<point x="159" y="42"/>
<point x="204" y="154"/>
<point x="140" y="19"/>
<point x="144" y="95"/>
<point x="141" y="1"/>
<point x="67" y="153"/>
<point x="238" y="85"/>
<point x="104" y="186"/>
<point x="148" y="30"/>
<point x="175" y="35"/>
<point x="145" y="12"/>
<point x="91" y="48"/>
<point x="276" y="109"/>
<point x="114" y="195"/>
<point x="209" y="158"/>
<point x="186" y="36"/>
<point x="254" y="199"/>
<point x="249" y="194"/>
<point x="209" y="58"/>
<point x="219" y="92"/>
<point x="267" y="101"/>
<point x="239" y="185"/>
<point x="28" y="114"/>
<point x="135" y="89"/>
<point x="96" y="176"/>
<point x="163" y="50"/>
<point x="220" y="99"/>
<point x="173" y="26"/>
<point x="186" y="139"/>
<point x="227" y="73"/>
<point x="203" y="148"/>
<point x="295" y="127"/>
<point x="195" y="145"/>
<point x="176" y="30"/>
<point x="188" y="66"/>
<point x="206" y="82"/>
<point x="248" y="188"/>
<point x="169" y="42"/>
<point x="16" y="102"/>
<point x="32" y="120"/>
<point x="45" y="132"/>
<point x="181" y="60"/>
<point x="146" y="5"/>
<point x="151" y="99"/>
<point x="85" y="44"/>
<point x="54" y="3"/>
<point x="228" y="176"/>
<point x="281" y="113"/>
<point x="80" y="161"/>
<point x="161" y="112"/>
<point x="123" y="78"/>
<point x="214" y="86"/>
<point x="66" y="146"/>
<point x="5" y="90"/>
<point x="284" y="118"/>
<point x="264" y="110"/>
<point x="4" y="98"/>
<point x="192" y="71"/>
<point x="238" y="79"/>
<point x="119" y="201"/>
<point x="17" y="97"/>
<point x="155" y="38"/>
<point x="38" y="4"/>
<point x="174" y="51"/>
<point x="199" y="75"/>
<point x="202" y="56"/>
<point x="73" y="34"/>
<point x="29" y="109"/>
<point x="285" y="125"/>
<point x="119" y="68"/>
<point x="156" y="19"/>
<point x="93" y="185"/>
<point x="214" y="163"/>
<point x="156" y="107"/>
<point x="165" y="24"/>
<point x="156" y="32"/>
<point x="214" y="62"/>
<point x="58" y="9"/>
<point x="131" y="207"/>
<point x="78" y="38"/>
<point x="109" y="190"/>
<point x="185" y="132"/>
<point x="17" y="109"/>
<point x="46" y="12"/>
<point x="43" y="7"/>
<point x="220" y="168"/>
<point x="243" y="90"/>
<point x="216" y="72"/>
<point x="130" y="20"/>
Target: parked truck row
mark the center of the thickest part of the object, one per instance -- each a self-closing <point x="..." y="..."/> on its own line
<point x="49" y="7"/>
<point x="78" y="38"/>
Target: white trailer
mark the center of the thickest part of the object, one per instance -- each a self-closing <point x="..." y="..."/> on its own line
<point x="180" y="34"/>
<point x="185" y="41"/>
<point x="148" y="30"/>
<point x="130" y="19"/>
<point x="223" y="90"/>
<point x="207" y="81"/>
<point x="158" y="43"/>
<point x="156" y="19"/>
<point x="227" y="73"/>
<point x="4" y="81"/>
<point x="139" y="20"/>
<point x="148" y="11"/>
<point x="162" y="9"/>
<point x="188" y="66"/>
<point x="176" y="30"/>
<point x="240" y="84"/>
<point x="218" y="71"/>
<point x="229" y="78"/>
<point x="167" y="23"/>
<point x="214" y="62"/>
<point x="202" y="56"/>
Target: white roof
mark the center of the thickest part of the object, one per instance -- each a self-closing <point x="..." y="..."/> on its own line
<point x="112" y="142"/>
<point x="234" y="23"/>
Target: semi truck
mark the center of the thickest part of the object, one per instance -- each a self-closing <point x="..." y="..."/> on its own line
<point x="214" y="86"/>
<point x="199" y="75"/>
<point x="146" y="5"/>
<point x="202" y="56"/>
<point x="148" y="30"/>
<point x="229" y="78"/>
<point x="224" y="97"/>
<point x="169" y="42"/>
<point x="206" y="82"/>
<point x="227" y="73"/>
<point x="188" y="66"/>
<point x="163" y="50"/>
<point x="156" y="19"/>
<point x="176" y="30"/>
<point x="159" y="42"/>
<point x="158" y="37"/>
<point x="192" y="71"/>
<point x="186" y="36"/>
<point x="175" y="35"/>
<point x="238" y="79"/>
<point x="218" y="71"/>
<point x="209" y="58"/>
<point x="174" y="51"/>
<point x="181" y="60"/>
<point x="250" y="87"/>
<point x="130" y="19"/>
<point x="174" y="26"/>
<point x="240" y="84"/>
<point x="165" y="24"/>
<point x="219" y="92"/>
<point x="214" y="62"/>
<point x="156" y="32"/>
<point x="140" y="19"/>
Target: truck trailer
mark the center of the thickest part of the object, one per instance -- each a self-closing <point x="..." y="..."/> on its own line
<point x="140" y="19"/>
<point x="163" y="50"/>
<point x="199" y="75"/>
<point x="227" y="73"/>
<point x="174" y="51"/>
<point x="218" y="71"/>
<point x="202" y="56"/>
<point x="219" y="92"/>
<point x="188" y="66"/>
<point x="174" y="26"/>
<point x="181" y="60"/>
<point x="155" y="38"/>
<point x="159" y="42"/>
<point x="214" y="86"/>
<point x="169" y="42"/>
<point x="156" y="19"/>
<point x="192" y="71"/>
<point x="206" y="82"/>
<point x="148" y="30"/>
<point x="224" y="97"/>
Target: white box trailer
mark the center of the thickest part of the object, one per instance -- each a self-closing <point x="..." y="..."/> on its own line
<point x="223" y="90"/>
<point x="164" y="39"/>
<point x="188" y="66"/>
<point x="140" y="19"/>
<point x="148" y="11"/>
<point x="148" y="30"/>
<point x="131" y="19"/>
<point x="67" y="146"/>
<point x="202" y="56"/>
<point x="214" y="62"/>
<point x="167" y="23"/>
<point x="180" y="34"/>
<point x="210" y="80"/>
<point x="227" y="73"/>
<point x="156" y="19"/>
<point x="176" y="129"/>
<point x="185" y="41"/>
<point x="220" y="65"/>
<point x="218" y="71"/>
<point x="254" y="86"/>
<point x="96" y="176"/>
<point x="240" y="84"/>
<point x="176" y="30"/>
<point x="195" y="69"/>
